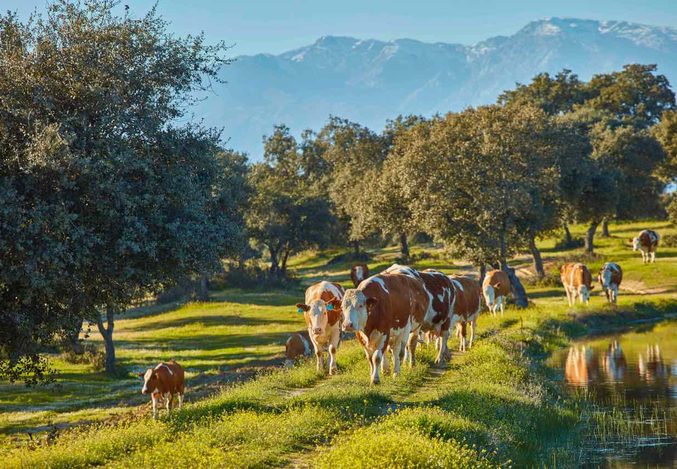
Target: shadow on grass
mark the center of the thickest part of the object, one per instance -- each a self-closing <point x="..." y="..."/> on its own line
<point x="212" y="320"/>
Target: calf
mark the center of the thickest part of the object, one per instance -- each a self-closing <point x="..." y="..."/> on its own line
<point x="439" y="292"/>
<point x="164" y="381"/>
<point x="646" y="242"/>
<point x="577" y="282"/>
<point x="322" y="311"/>
<point x="610" y="277"/>
<point x="496" y="287"/>
<point x="381" y="311"/>
<point x="467" y="306"/>
<point x="358" y="273"/>
<point x="298" y="345"/>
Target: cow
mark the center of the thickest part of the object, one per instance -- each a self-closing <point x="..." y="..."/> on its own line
<point x="322" y="312"/>
<point x="164" y="381"/>
<point x="646" y="242"/>
<point x="495" y="288"/>
<point x="358" y="273"/>
<point x="577" y="282"/>
<point x="610" y="277"/>
<point x="381" y="312"/>
<point x="467" y="305"/>
<point x="297" y="345"/>
<point x="440" y="293"/>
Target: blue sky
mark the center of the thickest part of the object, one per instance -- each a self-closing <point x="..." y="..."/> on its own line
<point x="275" y="26"/>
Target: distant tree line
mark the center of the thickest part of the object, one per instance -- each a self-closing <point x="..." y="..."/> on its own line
<point x="106" y="199"/>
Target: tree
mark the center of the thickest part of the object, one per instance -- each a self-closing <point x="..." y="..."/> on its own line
<point x="554" y="95"/>
<point x="121" y="202"/>
<point x="285" y="215"/>
<point x="666" y="133"/>
<point x="494" y="168"/>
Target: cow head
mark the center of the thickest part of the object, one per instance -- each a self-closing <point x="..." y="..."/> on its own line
<point x="151" y="381"/>
<point x="356" y="307"/>
<point x="584" y="292"/>
<point x="604" y="277"/>
<point x="316" y="313"/>
<point x="636" y="243"/>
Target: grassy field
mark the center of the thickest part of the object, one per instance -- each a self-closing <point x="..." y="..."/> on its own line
<point x="490" y="406"/>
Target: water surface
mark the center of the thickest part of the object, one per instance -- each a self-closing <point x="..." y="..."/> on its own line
<point x="631" y="381"/>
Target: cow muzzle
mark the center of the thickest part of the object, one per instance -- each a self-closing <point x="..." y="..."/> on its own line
<point x="317" y="331"/>
<point x="348" y="327"/>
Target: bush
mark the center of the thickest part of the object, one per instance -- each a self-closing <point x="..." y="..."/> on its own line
<point x="92" y="356"/>
<point x="669" y="241"/>
<point x="573" y="244"/>
<point x="252" y="274"/>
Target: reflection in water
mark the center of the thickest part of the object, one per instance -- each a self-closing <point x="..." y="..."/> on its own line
<point x="613" y="362"/>
<point x="631" y="381"/>
<point x="651" y="365"/>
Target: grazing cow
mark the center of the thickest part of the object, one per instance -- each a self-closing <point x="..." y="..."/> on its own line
<point x="646" y="242"/>
<point x="358" y="273"/>
<point x="164" y="381"/>
<point x="440" y="293"/>
<point x="496" y="287"/>
<point x="298" y="345"/>
<point x="610" y="277"/>
<point x="577" y="282"/>
<point x="381" y="311"/>
<point x="322" y="311"/>
<point x="467" y="305"/>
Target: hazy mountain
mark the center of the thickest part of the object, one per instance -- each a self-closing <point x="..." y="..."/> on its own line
<point x="370" y="81"/>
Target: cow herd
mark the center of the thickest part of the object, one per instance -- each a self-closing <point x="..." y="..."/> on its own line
<point x="391" y="312"/>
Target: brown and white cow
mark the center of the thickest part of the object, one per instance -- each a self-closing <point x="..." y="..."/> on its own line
<point x="322" y="311"/>
<point x="164" y="381"/>
<point x="358" y="273"/>
<point x="610" y="277"/>
<point x="577" y="282"/>
<point x="646" y="242"/>
<point x="496" y="288"/>
<point x="297" y="345"/>
<point x="467" y="305"/>
<point x="381" y="311"/>
<point x="440" y="292"/>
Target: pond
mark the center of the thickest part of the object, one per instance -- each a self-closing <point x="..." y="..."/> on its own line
<point x="631" y="381"/>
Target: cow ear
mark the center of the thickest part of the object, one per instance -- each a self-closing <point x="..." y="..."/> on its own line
<point x="300" y="307"/>
<point x="592" y="286"/>
<point x="371" y="302"/>
<point x="498" y="284"/>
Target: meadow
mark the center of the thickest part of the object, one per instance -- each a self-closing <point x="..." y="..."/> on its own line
<point x="496" y="405"/>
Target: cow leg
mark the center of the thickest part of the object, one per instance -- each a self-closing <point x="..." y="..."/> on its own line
<point x="442" y="352"/>
<point x="411" y="348"/>
<point x="499" y="305"/>
<point x="570" y="296"/>
<point x="376" y="358"/>
<point x="320" y="360"/>
<point x="473" y="324"/>
<point x="332" y="359"/>
<point x="154" y="400"/>
<point x="180" y="396"/>
<point x="169" y="398"/>
<point x="653" y="256"/>
<point x="385" y="362"/>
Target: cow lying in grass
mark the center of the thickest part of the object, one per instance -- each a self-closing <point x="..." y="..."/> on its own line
<point x="164" y="382"/>
<point x="297" y="345"/>
<point x="577" y="282"/>
<point x="322" y="312"/>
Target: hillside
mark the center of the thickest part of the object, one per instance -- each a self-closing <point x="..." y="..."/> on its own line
<point x="301" y="418"/>
<point x="370" y="81"/>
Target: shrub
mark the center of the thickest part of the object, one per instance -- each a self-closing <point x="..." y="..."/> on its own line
<point x="92" y="355"/>
<point x="669" y="241"/>
<point x="575" y="243"/>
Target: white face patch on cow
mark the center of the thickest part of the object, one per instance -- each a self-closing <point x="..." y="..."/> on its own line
<point x="636" y="243"/>
<point x="354" y="306"/>
<point x="318" y="317"/>
<point x="146" y="378"/>
<point x="606" y="276"/>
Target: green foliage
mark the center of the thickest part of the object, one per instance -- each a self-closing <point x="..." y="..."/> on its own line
<point x="666" y="133"/>
<point x="106" y="199"/>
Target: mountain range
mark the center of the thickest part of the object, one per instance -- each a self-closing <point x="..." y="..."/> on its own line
<point x="369" y="81"/>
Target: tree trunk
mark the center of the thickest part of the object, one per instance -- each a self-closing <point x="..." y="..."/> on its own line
<point x="519" y="294"/>
<point x="107" y="334"/>
<point x="567" y="235"/>
<point x="203" y="288"/>
<point x="356" y="249"/>
<point x="483" y="271"/>
<point x="590" y="237"/>
<point x="404" y="246"/>
<point x="283" y="270"/>
<point x="72" y="338"/>
<point x="274" y="264"/>
<point x="538" y="260"/>
<point x="605" y="228"/>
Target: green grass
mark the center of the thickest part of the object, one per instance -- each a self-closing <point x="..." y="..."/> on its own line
<point x="494" y="405"/>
